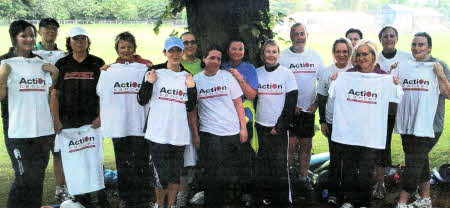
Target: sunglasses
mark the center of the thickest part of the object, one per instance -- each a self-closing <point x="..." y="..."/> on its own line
<point x="363" y="54"/>
<point x="193" y="42"/>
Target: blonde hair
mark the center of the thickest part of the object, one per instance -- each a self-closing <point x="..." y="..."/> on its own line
<point x="372" y="49"/>
<point x="264" y="46"/>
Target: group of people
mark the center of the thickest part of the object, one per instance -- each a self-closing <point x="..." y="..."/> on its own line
<point x="242" y="122"/>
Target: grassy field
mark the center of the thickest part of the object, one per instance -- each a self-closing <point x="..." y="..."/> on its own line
<point x="150" y="46"/>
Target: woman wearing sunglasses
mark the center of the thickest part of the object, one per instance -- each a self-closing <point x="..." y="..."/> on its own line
<point x="357" y="161"/>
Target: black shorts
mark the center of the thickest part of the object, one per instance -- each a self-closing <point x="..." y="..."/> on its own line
<point x="303" y="125"/>
<point x="168" y="162"/>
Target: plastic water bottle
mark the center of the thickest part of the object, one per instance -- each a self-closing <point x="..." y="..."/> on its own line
<point x="325" y="194"/>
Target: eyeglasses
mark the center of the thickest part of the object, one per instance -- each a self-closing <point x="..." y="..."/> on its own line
<point x="363" y="54"/>
<point x="193" y="42"/>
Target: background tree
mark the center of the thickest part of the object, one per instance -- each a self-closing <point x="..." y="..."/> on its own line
<point x="216" y="21"/>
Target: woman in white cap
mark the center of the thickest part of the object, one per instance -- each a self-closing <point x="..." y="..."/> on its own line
<point x="75" y="107"/>
<point x="171" y="91"/>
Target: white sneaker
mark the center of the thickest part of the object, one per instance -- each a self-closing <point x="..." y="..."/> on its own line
<point x="403" y="205"/>
<point x="422" y="203"/>
<point x="347" y="205"/>
<point x="379" y="191"/>
<point x="62" y="194"/>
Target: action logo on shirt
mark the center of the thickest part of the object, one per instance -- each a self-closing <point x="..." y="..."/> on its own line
<point x="32" y="84"/>
<point x="270" y="89"/>
<point x="81" y="144"/>
<point x="126" y="87"/>
<point x="303" y="67"/>
<point x="415" y="84"/>
<point x="173" y="95"/>
<point x="362" y="96"/>
<point x="213" y="92"/>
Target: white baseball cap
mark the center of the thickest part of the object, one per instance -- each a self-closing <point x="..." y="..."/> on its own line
<point x="77" y="30"/>
<point x="71" y="204"/>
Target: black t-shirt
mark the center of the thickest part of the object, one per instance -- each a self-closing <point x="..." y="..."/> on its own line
<point x="77" y="83"/>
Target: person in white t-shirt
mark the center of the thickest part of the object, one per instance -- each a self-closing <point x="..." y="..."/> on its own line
<point x="171" y="91"/>
<point x="388" y="37"/>
<point x="354" y="35"/>
<point x="275" y="106"/>
<point x="222" y="127"/>
<point x="342" y="51"/>
<point x="305" y="63"/>
<point x="357" y="190"/>
<point x="417" y="147"/>
<point x="48" y="50"/>
<point x="25" y="80"/>
<point x="123" y="120"/>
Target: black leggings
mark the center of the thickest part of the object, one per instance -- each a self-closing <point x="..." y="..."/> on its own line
<point x="133" y="172"/>
<point x="272" y="174"/>
<point x="416" y="160"/>
<point x="29" y="159"/>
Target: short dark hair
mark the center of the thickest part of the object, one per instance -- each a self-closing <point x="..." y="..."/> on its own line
<point x="354" y="30"/>
<point x="69" y="48"/>
<point x="346" y="42"/>
<point x="428" y="37"/>
<point x="48" y="21"/>
<point x="187" y="33"/>
<point x="125" y="36"/>
<point x="384" y="29"/>
<point x="17" y="27"/>
<point x="213" y="47"/>
<point x="227" y="47"/>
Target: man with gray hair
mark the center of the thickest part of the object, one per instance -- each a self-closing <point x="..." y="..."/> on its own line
<point x="305" y="64"/>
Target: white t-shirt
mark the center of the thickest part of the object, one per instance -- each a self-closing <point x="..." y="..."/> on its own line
<point x="400" y="56"/>
<point x="416" y="111"/>
<point x="82" y="157"/>
<point x="28" y="98"/>
<point x="215" y="94"/>
<point x="305" y="66"/>
<point x="324" y="84"/>
<point x="361" y="106"/>
<point x="120" y="113"/>
<point x="272" y="89"/>
<point x="167" y="121"/>
<point x="50" y="56"/>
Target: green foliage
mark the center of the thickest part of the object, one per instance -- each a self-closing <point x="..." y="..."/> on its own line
<point x="12" y="9"/>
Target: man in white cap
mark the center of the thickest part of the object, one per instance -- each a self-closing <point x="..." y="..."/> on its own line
<point x="74" y="102"/>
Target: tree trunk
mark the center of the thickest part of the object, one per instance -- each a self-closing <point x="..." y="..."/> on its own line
<point x="216" y="21"/>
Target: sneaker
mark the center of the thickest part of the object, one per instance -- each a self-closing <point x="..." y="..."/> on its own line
<point x="403" y="205"/>
<point x="379" y="191"/>
<point x="422" y="203"/>
<point x="246" y="200"/>
<point x="62" y="194"/>
<point x="307" y="186"/>
<point x="332" y="201"/>
<point x="266" y="202"/>
<point x="347" y="205"/>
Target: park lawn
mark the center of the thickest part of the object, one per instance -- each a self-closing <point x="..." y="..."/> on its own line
<point x="150" y="46"/>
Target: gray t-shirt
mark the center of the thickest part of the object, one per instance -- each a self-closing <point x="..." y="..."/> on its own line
<point x="438" y="125"/>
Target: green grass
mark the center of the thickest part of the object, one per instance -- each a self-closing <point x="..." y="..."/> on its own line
<point x="150" y="46"/>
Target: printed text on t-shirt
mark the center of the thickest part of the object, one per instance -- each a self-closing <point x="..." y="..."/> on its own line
<point x="362" y="96"/>
<point x="79" y="75"/>
<point x="270" y="89"/>
<point x="32" y="84"/>
<point x="126" y="87"/>
<point x="172" y="95"/>
<point x="302" y="68"/>
<point x="217" y="91"/>
<point x="416" y="84"/>
<point x="81" y="144"/>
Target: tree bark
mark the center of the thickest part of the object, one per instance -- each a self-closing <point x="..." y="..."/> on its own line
<point x="216" y="21"/>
